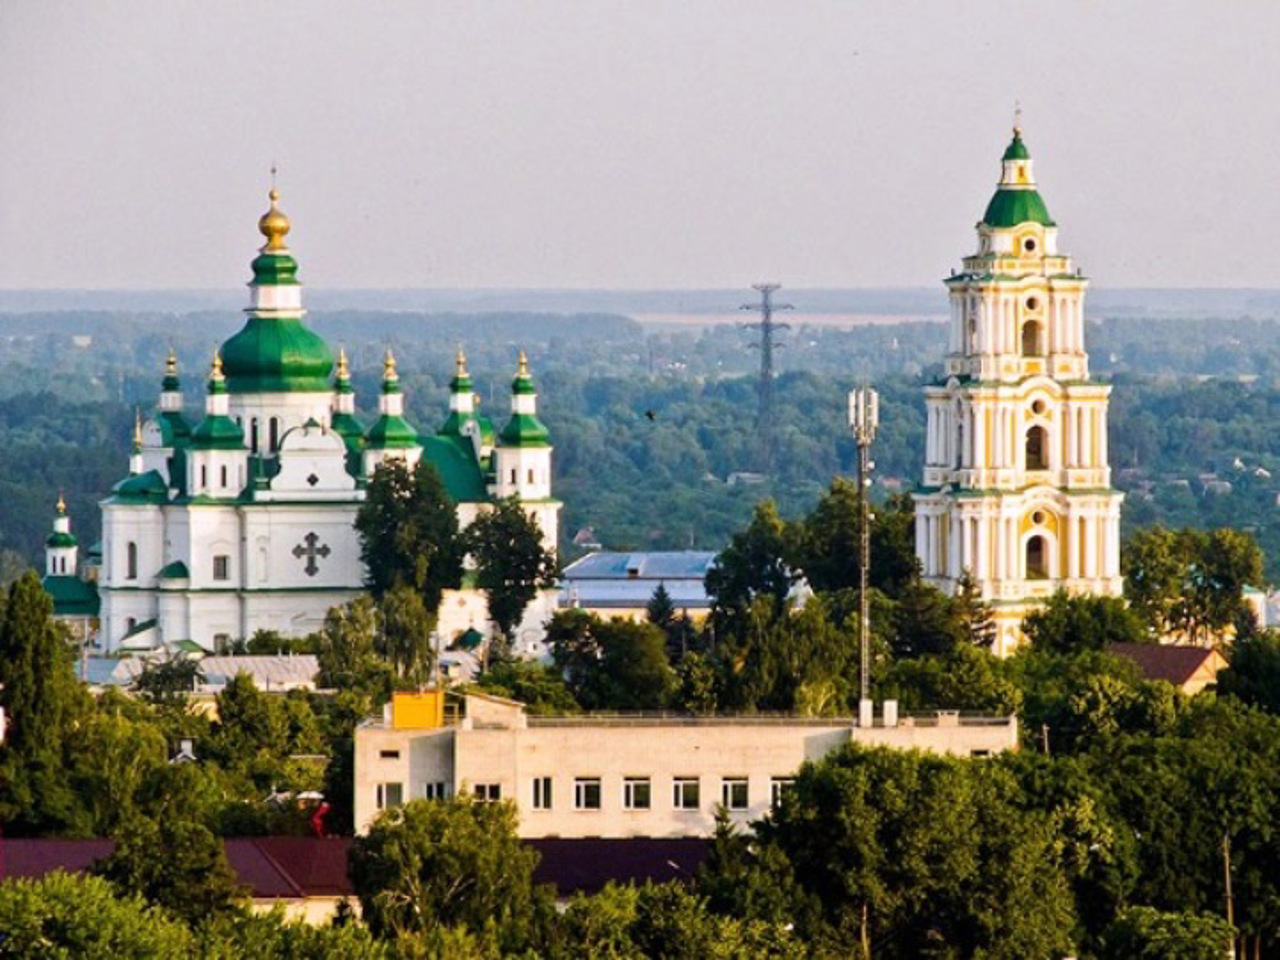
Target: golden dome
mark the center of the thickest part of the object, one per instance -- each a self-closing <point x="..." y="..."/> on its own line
<point x="62" y="505"/>
<point x="274" y="225"/>
<point x="522" y="369"/>
<point x="389" y="366"/>
<point x="461" y="362"/>
<point x="171" y="364"/>
<point x="343" y="372"/>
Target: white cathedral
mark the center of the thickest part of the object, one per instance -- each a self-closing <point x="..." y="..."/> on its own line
<point x="1017" y="488"/>
<point x="245" y="521"/>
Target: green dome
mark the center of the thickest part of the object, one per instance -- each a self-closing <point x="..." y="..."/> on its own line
<point x="390" y="432"/>
<point x="1009" y="208"/>
<point x="524" y="430"/>
<point x="146" y="487"/>
<point x="277" y="355"/>
<point x="1017" y="150"/>
<point x="217" y="432"/>
<point x="60" y="539"/>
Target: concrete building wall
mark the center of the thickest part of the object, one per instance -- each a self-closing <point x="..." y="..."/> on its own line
<point x="499" y="753"/>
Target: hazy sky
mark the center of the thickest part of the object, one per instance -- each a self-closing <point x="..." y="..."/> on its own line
<point x="639" y="144"/>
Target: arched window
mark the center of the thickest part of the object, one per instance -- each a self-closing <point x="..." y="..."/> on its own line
<point x="223" y="477"/>
<point x="131" y="561"/>
<point x="253" y="435"/>
<point x="204" y="475"/>
<point x="1037" y="558"/>
<point x="1037" y="448"/>
<point x="273" y="433"/>
<point x="1031" y="339"/>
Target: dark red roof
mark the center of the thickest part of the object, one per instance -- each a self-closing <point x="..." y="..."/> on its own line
<point x="35" y="858"/>
<point x="584" y="866"/>
<point x="270" y="867"/>
<point x="1161" y="661"/>
<point x="292" y="867"/>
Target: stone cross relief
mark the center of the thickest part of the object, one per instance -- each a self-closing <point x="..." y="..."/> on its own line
<point x="311" y="551"/>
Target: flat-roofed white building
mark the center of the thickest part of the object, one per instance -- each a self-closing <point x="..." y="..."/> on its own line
<point x="623" y="775"/>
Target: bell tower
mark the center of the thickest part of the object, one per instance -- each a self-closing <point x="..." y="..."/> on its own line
<point x="1017" y="487"/>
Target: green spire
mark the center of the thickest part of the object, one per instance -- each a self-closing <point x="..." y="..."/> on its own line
<point x="1016" y="201"/>
<point x="524" y="429"/>
<point x="170" y="382"/>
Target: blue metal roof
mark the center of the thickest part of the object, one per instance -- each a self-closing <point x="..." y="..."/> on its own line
<point x="662" y="565"/>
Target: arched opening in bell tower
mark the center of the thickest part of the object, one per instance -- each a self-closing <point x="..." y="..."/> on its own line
<point x="1032" y="339"/>
<point x="1037" y="448"/>
<point x="1037" y="558"/>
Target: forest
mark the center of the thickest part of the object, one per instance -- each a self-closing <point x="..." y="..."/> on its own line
<point x="655" y="426"/>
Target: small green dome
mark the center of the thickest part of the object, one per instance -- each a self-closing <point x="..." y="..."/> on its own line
<point x="524" y="430"/>
<point x="1011" y="207"/>
<point x="390" y="432"/>
<point x="60" y="539"/>
<point x="277" y="355"/>
<point x="1017" y="150"/>
<point x="348" y="427"/>
<point x="217" y="432"/>
<point x="146" y="487"/>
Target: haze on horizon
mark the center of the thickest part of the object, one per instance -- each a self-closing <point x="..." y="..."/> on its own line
<point x="629" y="145"/>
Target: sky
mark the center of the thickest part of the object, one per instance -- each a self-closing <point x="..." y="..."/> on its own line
<point x="629" y="145"/>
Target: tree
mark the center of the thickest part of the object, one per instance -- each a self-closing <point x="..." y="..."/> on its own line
<point x="175" y="864"/>
<point x="42" y="701"/>
<point x="967" y="678"/>
<point x="1143" y="933"/>
<point x="926" y="622"/>
<point x="974" y="615"/>
<point x="541" y="688"/>
<point x="60" y="915"/>
<point x="828" y="542"/>
<point x="611" y="665"/>
<point x="913" y="855"/>
<point x="347" y="652"/>
<point x="1070" y="624"/>
<point x="512" y="563"/>
<point x="1254" y="674"/>
<point x="405" y="638"/>
<point x="168" y="682"/>
<point x="660" y="611"/>
<point x="431" y="864"/>
<point x="754" y="564"/>
<point x="1190" y="582"/>
<point x="408" y="529"/>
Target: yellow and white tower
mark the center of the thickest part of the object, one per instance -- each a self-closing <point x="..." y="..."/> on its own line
<point x="1017" y="488"/>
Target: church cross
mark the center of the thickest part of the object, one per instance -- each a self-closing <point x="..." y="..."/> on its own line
<point x="311" y="551"/>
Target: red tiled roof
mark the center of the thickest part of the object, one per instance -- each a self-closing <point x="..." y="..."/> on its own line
<point x="586" y="865"/>
<point x="1159" y="661"/>
<point x="272" y="868"/>
<point x="288" y="868"/>
<point x="35" y="858"/>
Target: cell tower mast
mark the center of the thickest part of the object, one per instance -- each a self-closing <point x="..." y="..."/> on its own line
<point x="766" y="345"/>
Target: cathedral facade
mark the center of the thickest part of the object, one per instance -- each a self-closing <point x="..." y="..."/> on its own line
<point x="1017" y="488"/>
<point x="243" y="519"/>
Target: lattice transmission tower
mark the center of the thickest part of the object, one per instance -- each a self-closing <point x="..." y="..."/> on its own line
<point x="768" y="328"/>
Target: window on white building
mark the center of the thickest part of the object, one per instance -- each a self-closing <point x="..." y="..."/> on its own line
<point x="435" y="790"/>
<point x="223" y="475"/>
<point x="204" y="475"/>
<point x="131" y="561"/>
<point x="253" y="434"/>
<point x="389" y="754"/>
<point x="586" y="793"/>
<point x="636" y="793"/>
<point x="542" y="793"/>
<point x="390" y="795"/>
<point x="273" y="433"/>
<point x="685" y="793"/>
<point x="488" y="792"/>
<point x="222" y="567"/>
<point x="778" y="788"/>
<point x="733" y="793"/>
